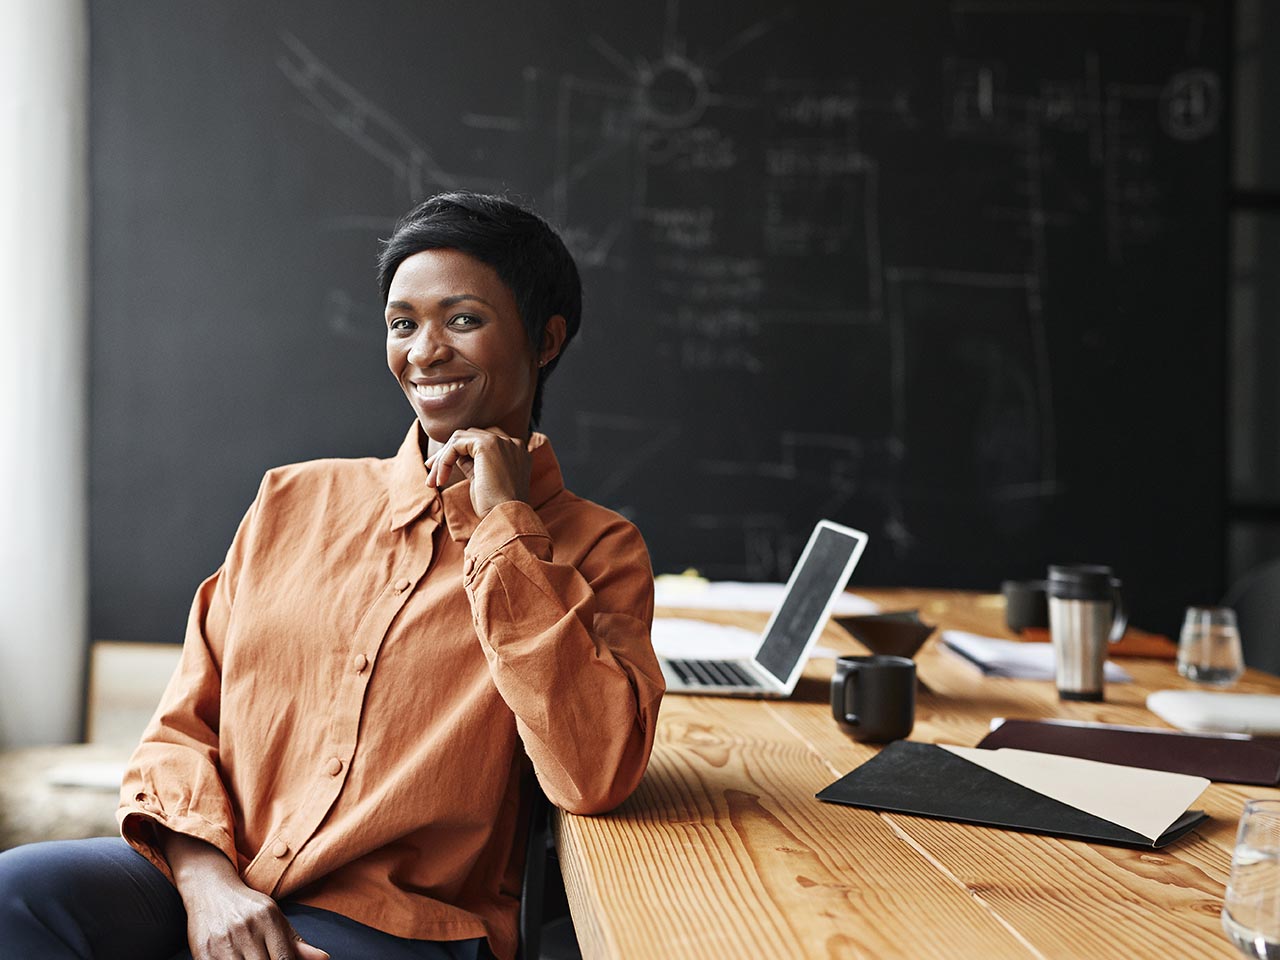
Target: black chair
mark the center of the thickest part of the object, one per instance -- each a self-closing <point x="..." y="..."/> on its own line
<point x="535" y="869"/>
<point x="545" y="927"/>
<point x="1255" y="597"/>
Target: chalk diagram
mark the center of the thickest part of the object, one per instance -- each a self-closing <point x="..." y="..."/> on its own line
<point x="715" y="192"/>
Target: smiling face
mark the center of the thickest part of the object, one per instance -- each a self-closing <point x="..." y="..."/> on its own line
<point x="456" y="344"/>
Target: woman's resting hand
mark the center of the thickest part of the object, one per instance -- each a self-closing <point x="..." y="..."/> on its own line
<point x="226" y="920"/>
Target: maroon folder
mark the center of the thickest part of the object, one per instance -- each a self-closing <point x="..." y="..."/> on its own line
<point x="1227" y="759"/>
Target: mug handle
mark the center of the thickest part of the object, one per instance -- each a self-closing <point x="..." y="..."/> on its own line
<point x="840" y="710"/>
<point x="1120" y="621"/>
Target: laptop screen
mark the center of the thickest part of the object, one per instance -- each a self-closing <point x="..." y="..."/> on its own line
<point x="823" y="571"/>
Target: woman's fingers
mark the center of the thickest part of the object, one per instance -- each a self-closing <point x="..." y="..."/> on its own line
<point x="285" y="943"/>
<point x="497" y="464"/>
<point x="464" y="448"/>
<point x="305" y="951"/>
<point x="440" y="464"/>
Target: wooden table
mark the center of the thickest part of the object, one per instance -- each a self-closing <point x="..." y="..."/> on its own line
<point x="724" y="852"/>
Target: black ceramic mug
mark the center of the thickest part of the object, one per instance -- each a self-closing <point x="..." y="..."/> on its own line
<point x="1026" y="604"/>
<point x="874" y="698"/>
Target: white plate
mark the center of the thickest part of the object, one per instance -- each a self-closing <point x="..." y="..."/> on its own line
<point x="1200" y="711"/>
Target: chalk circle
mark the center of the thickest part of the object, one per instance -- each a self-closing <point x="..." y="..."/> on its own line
<point x="1191" y="105"/>
<point x="673" y="92"/>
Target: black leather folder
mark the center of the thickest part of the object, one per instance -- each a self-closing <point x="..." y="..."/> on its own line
<point x="1224" y="759"/>
<point x="925" y="780"/>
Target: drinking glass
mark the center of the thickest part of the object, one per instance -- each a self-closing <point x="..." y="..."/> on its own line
<point x="1209" y="647"/>
<point x="1251" y="911"/>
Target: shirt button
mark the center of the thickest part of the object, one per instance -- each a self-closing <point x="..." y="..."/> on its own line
<point x="360" y="662"/>
<point x="279" y="849"/>
<point x="402" y="585"/>
<point x="471" y="564"/>
<point x="334" y="767"/>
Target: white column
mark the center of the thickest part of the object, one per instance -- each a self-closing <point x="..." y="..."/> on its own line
<point x="44" y="337"/>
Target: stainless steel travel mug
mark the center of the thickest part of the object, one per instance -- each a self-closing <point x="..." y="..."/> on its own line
<point x="1086" y="615"/>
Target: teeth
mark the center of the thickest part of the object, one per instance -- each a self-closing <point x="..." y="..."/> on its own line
<point x="437" y="389"/>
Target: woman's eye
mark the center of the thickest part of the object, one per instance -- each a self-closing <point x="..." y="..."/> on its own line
<point x="400" y="323"/>
<point x="465" y="320"/>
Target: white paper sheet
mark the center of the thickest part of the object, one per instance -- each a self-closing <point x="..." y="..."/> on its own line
<point x="91" y="775"/>
<point x="692" y="593"/>
<point x="682" y="639"/>
<point x="678" y="638"/>
<point x="1010" y="658"/>
<point x="1144" y="801"/>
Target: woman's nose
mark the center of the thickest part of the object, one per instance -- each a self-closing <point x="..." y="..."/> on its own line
<point x="428" y="348"/>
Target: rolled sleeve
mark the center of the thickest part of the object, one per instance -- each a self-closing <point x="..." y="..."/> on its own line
<point x="568" y="644"/>
<point x="173" y="778"/>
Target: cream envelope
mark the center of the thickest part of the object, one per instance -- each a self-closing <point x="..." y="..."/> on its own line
<point x="1144" y="801"/>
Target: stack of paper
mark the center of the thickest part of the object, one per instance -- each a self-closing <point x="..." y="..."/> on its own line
<point x="678" y="638"/>
<point x="693" y="593"/>
<point x="1009" y="658"/>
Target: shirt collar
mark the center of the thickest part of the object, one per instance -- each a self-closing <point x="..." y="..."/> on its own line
<point x="410" y="497"/>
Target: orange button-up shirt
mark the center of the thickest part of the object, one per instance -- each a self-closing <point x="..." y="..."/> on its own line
<point x="362" y="679"/>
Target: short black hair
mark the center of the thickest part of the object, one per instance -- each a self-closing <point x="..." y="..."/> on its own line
<point x="525" y="252"/>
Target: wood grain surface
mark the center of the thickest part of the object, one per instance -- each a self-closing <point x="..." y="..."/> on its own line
<point x="723" y="851"/>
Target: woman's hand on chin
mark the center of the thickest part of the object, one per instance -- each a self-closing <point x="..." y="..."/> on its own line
<point x="497" y="464"/>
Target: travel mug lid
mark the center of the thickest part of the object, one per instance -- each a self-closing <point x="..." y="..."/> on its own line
<point x="1081" y="581"/>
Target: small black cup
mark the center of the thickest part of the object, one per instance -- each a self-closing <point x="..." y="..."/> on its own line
<point x="1026" y="604"/>
<point x="874" y="698"/>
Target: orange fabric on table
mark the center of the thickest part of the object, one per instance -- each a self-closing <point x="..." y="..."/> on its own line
<point x="362" y="679"/>
<point x="1134" y="643"/>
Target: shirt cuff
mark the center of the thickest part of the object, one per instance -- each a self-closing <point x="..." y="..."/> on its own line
<point x="505" y="524"/>
<point x="138" y="823"/>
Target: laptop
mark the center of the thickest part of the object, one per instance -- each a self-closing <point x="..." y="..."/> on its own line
<point x="774" y="669"/>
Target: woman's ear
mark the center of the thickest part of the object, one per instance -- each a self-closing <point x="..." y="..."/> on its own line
<point x="552" y="340"/>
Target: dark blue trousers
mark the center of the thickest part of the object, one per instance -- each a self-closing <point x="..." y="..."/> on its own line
<point x="100" y="900"/>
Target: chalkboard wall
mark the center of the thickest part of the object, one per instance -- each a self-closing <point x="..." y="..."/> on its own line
<point x="949" y="272"/>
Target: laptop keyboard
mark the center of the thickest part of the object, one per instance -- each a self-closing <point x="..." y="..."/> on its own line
<point x="713" y="673"/>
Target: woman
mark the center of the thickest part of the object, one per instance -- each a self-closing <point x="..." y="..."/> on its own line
<point x="336" y="764"/>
